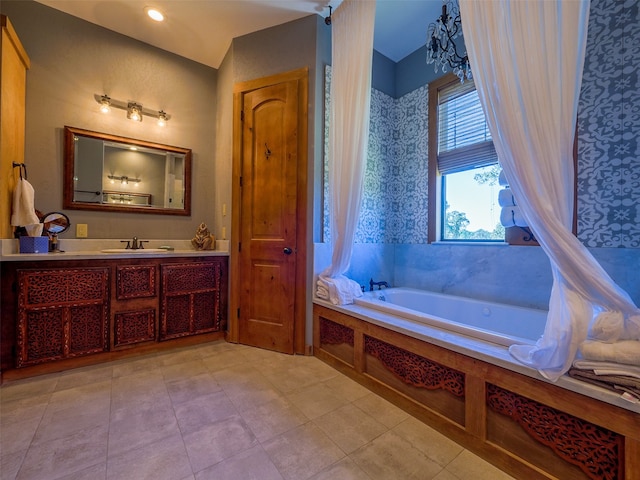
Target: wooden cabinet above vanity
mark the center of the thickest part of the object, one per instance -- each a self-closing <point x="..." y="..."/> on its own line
<point x="64" y="313"/>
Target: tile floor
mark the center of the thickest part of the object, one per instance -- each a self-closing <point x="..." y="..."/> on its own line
<point x="217" y="411"/>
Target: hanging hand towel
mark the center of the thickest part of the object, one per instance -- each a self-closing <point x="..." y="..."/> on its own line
<point x="24" y="212"/>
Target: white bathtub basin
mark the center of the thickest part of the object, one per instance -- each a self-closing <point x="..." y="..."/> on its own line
<point x="130" y="250"/>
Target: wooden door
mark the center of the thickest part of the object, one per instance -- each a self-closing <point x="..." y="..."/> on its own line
<point x="268" y="253"/>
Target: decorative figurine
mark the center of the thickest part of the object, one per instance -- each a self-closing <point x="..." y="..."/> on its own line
<point x="203" y="239"/>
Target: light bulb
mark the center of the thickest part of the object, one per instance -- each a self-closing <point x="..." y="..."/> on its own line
<point x="105" y="104"/>
<point x="162" y="118"/>
<point x="155" y="14"/>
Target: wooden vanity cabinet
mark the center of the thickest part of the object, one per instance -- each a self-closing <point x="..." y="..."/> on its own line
<point x="55" y="310"/>
<point x="62" y="313"/>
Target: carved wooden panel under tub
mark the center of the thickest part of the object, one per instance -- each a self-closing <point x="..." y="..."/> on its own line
<point x="527" y="427"/>
<point x="61" y="314"/>
<point x="596" y="451"/>
<point x="337" y="339"/>
<point x="439" y="387"/>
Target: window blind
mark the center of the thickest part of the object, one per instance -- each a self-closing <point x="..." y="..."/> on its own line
<point x="464" y="140"/>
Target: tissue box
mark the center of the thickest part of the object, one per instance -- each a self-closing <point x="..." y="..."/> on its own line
<point x="34" y="244"/>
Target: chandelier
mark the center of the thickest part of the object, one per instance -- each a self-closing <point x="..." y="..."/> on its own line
<point x="441" y="46"/>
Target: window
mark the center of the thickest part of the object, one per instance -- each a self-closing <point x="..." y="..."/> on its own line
<point x="463" y="166"/>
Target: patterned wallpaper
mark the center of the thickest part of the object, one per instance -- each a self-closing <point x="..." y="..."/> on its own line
<point x="394" y="200"/>
<point x="394" y="208"/>
<point x="609" y="128"/>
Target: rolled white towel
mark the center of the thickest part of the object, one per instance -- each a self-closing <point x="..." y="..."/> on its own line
<point x="608" y="326"/>
<point x="502" y="179"/>
<point x="626" y="351"/>
<point x="506" y="198"/>
<point x="512" y="217"/>
<point x="342" y="290"/>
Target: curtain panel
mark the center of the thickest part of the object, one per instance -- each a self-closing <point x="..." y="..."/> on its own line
<point x="352" y="59"/>
<point x="527" y="59"/>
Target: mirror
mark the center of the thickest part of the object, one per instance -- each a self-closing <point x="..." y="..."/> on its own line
<point x="55" y="223"/>
<point x="108" y="172"/>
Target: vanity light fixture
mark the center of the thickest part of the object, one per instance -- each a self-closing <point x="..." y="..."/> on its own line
<point x="135" y="111"/>
<point x="123" y="179"/>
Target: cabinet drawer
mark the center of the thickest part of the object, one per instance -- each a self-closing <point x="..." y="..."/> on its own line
<point x="135" y="327"/>
<point x="190" y="277"/>
<point x="135" y="281"/>
<point x="62" y="286"/>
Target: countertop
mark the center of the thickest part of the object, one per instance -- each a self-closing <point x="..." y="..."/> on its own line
<point x="88" y="249"/>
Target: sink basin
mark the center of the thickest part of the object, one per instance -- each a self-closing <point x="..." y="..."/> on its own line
<point x="130" y="250"/>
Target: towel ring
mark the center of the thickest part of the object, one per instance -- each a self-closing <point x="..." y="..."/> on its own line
<point x="22" y="167"/>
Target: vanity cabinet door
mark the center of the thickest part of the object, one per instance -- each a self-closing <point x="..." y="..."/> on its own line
<point x="135" y="304"/>
<point x="191" y="299"/>
<point x="62" y="313"/>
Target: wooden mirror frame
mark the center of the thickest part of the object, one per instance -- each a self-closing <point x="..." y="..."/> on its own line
<point x="69" y="167"/>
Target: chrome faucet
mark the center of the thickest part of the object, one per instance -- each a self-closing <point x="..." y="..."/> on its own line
<point x="134" y="243"/>
<point x="379" y="284"/>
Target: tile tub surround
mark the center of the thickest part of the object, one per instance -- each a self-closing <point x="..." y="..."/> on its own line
<point x="220" y="411"/>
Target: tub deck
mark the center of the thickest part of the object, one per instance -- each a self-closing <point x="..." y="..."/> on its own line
<point x="473" y="392"/>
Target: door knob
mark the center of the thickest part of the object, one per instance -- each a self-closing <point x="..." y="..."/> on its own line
<point x="287" y="250"/>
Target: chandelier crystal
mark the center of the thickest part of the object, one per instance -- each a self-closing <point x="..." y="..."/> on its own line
<point x="441" y="46"/>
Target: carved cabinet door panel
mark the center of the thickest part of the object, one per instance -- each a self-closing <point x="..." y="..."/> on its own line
<point x="62" y="313"/>
<point x="191" y="295"/>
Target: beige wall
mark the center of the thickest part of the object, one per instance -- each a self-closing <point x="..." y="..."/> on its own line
<point x="73" y="60"/>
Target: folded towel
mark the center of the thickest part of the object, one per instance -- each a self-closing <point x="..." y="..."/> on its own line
<point x="505" y="198"/>
<point x="24" y="212"/>
<point x="630" y="392"/>
<point x="512" y="217"/>
<point x="608" y="368"/>
<point x="608" y="326"/>
<point x="626" y="351"/>
<point x="322" y="292"/>
<point x="342" y="290"/>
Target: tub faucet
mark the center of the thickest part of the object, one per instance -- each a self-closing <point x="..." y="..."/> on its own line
<point x="379" y="284"/>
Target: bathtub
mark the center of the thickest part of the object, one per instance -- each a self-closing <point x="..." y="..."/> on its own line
<point x="493" y="322"/>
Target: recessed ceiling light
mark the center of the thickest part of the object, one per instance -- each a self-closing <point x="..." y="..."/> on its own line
<point x="155" y="14"/>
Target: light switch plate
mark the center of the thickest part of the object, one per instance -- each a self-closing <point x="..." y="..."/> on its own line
<point x="82" y="230"/>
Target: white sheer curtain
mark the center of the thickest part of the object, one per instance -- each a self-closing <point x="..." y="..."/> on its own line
<point x="352" y="53"/>
<point x="527" y="58"/>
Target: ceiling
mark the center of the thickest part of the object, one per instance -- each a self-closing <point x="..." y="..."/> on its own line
<point x="202" y="30"/>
